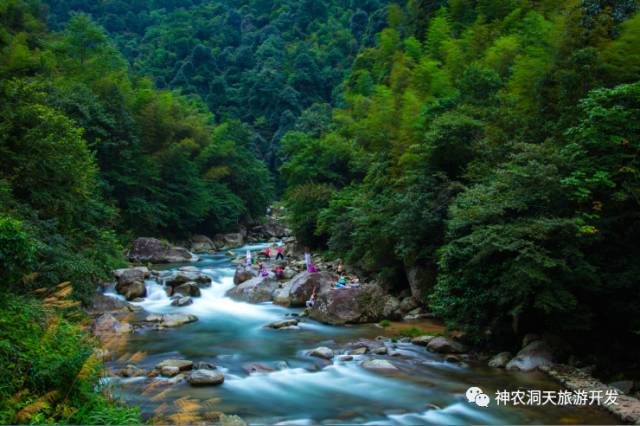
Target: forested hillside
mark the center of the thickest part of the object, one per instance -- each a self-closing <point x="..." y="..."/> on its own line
<point x="491" y="157"/>
<point x="275" y="65"/>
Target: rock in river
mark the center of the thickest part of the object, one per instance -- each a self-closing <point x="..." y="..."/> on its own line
<point x="108" y="325"/>
<point x="182" y="301"/>
<point x="180" y="364"/>
<point x="379" y="364"/>
<point x="184" y="277"/>
<point x="444" y="345"/>
<point x="364" y="304"/>
<point x="282" y="324"/>
<point x="170" y="320"/>
<point x="130" y="282"/>
<point x="256" y="290"/>
<point x="202" y="377"/>
<point x="321" y="352"/>
<point x="244" y="273"/>
<point x="152" y="250"/>
<point x="187" y="289"/>
<point x="301" y="287"/>
<point x="422" y="340"/>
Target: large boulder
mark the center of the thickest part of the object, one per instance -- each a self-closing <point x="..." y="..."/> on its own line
<point x="234" y="239"/>
<point x="444" y="345"/>
<point x="180" y="364"/>
<point x="301" y="286"/>
<point x="379" y="365"/>
<point x="130" y="282"/>
<point x="364" y="304"/>
<point x="203" y="377"/>
<point x="152" y="250"/>
<point x="101" y="303"/>
<point x="202" y="243"/>
<point x="532" y="356"/>
<point x="321" y="352"/>
<point x="244" y="273"/>
<point x="256" y="290"/>
<point x="282" y="295"/>
<point x="108" y="325"/>
<point x="500" y="360"/>
<point x="182" y="301"/>
<point x="187" y="289"/>
<point x="421" y="281"/>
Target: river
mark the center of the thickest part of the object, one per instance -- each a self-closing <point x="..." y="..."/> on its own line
<point x="305" y="390"/>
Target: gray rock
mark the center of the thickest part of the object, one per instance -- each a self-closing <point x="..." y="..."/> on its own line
<point x="130" y="283"/>
<point x="528" y="338"/>
<point x="532" y="356"/>
<point x="422" y="340"/>
<point x="101" y="303"/>
<point x="321" y="352"/>
<point x="391" y="309"/>
<point x="382" y="350"/>
<point x="170" y="320"/>
<point x="131" y="371"/>
<point x="169" y="371"/>
<point x="201" y="280"/>
<point x="500" y="360"/>
<point x="282" y="295"/>
<point x="244" y="273"/>
<point x="204" y="377"/>
<point x="302" y="285"/>
<point x="282" y="324"/>
<point x="189" y="269"/>
<point x="255" y="367"/>
<point x="152" y="250"/>
<point x="187" y="289"/>
<point x="421" y="281"/>
<point x="108" y="325"/>
<point x="345" y="358"/>
<point x="444" y="345"/>
<point x="379" y="364"/>
<point x="182" y="301"/>
<point x="139" y="273"/>
<point x="180" y="364"/>
<point x="364" y="304"/>
<point x="256" y="290"/>
<point x="201" y="244"/>
<point x="204" y="366"/>
<point x="359" y="351"/>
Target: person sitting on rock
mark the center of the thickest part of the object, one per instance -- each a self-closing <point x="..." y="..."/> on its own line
<point x="312" y="267"/>
<point x="312" y="299"/>
<point x="342" y="282"/>
<point x="263" y="271"/>
<point x="340" y="269"/>
<point x="355" y="282"/>
<point x="279" y="272"/>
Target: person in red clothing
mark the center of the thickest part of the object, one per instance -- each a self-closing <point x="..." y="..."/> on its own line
<point x="267" y="252"/>
<point x="280" y="254"/>
<point x="279" y="272"/>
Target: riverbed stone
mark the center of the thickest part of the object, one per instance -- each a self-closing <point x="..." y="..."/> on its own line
<point x="182" y="301"/>
<point x="359" y="351"/>
<point x="255" y="367"/>
<point x="169" y="371"/>
<point x="180" y="364"/>
<point x="256" y="290"/>
<point x="108" y="325"/>
<point x="203" y="377"/>
<point x="131" y="370"/>
<point x="500" y="360"/>
<point x="379" y="364"/>
<point x="189" y="268"/>
<point x="445" y="345"/>
<point x="244" y="273"/>
<point x="202" y="244"/>
<point x="187" y="289"/>
<point x="182" y="277"/>
<point x="170" y="320"/>
<point x="130" y="287"/>
<point x="282" y="295"/>
<point x="422" y="340"/>
<point x="282" y="324"/>
<point x="321" y="352"/>
<point x="532" y="356"/>
<point x="152" y="250"/>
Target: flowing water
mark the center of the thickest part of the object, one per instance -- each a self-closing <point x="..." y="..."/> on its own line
<point x="305" y="390"/>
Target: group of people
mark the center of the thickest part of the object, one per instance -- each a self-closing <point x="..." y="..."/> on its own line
<point x="345" y="281"/>
<point x="267" y="252"/>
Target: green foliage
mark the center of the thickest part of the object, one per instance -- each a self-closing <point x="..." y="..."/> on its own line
<point x="17" y="250"/>
<point x="459" y="120"/>
<point x="47" y="371"/>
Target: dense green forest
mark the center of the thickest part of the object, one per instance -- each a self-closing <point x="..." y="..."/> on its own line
<point x="495" y="151"/>
<point x="488" y="147"/>
<point x="275" y="65"/>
